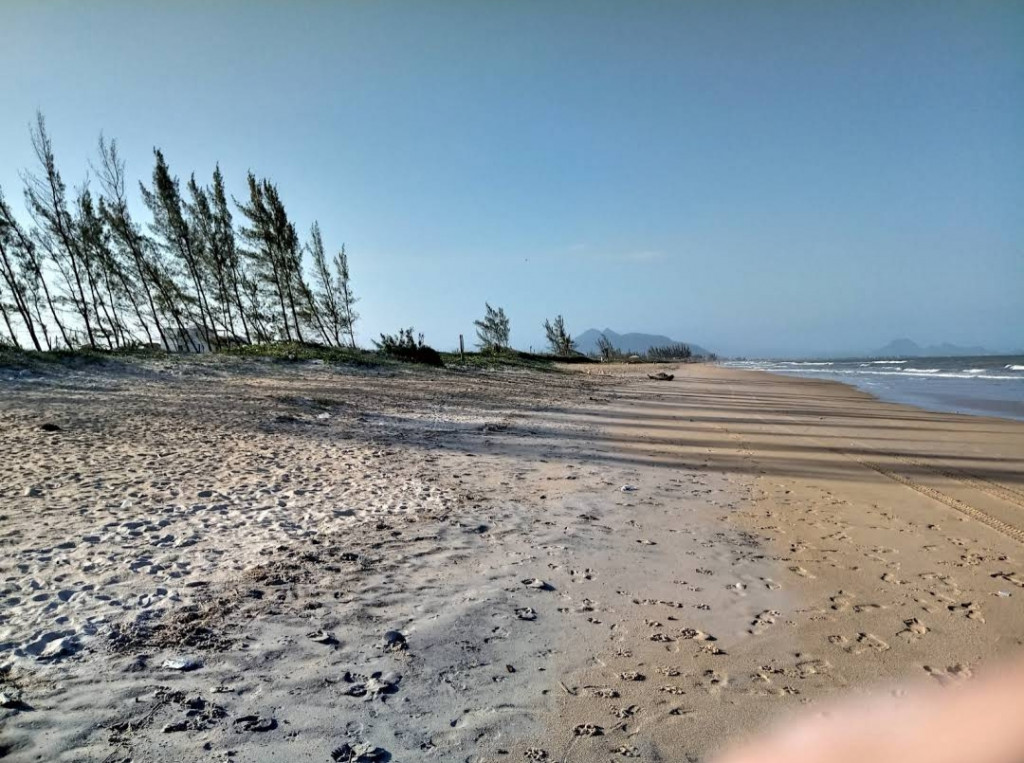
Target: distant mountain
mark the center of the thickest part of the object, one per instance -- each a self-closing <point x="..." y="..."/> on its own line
<point x="630" y="343"/>
<point x="908" y="348"/>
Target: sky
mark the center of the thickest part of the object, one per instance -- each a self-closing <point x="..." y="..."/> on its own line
<point x="760" y="178"/>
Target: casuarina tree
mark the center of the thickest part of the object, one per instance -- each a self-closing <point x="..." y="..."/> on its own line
<point x="492" y="330"/>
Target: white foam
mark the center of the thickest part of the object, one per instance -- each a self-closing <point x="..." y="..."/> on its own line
<point x="886" y="362"/>
<point x="1014" y="368"/>
<point x="920" y="370"/>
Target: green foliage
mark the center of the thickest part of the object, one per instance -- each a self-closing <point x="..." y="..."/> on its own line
<point x="402" y="346"/>
<point x="493" y="330"/>
<point x="304" y="351"/>
<point x="559" y="340"/>
<point x="677" y="351"/>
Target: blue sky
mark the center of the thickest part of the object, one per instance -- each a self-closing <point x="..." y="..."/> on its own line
<point x="770" y="177"/>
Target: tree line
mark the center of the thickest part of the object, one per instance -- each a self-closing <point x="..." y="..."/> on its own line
<point x="85" y="273"/>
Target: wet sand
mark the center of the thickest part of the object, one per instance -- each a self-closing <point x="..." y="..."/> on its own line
<point x="216" y="560"/>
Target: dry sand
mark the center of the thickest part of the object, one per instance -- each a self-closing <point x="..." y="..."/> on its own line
<point x="234" y="561"/>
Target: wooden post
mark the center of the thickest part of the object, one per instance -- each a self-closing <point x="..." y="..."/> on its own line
<point x="462" y="349"/>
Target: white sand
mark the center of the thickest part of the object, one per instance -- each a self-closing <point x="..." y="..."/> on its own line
<point x="269" y="525"/>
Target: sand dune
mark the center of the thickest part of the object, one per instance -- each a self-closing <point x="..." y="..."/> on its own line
<point x="214" y="560"/>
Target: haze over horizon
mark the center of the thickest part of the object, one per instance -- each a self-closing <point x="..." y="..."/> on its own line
<point x="785" y="180"/>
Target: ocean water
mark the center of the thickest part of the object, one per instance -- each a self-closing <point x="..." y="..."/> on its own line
<point x="987" y="386"/>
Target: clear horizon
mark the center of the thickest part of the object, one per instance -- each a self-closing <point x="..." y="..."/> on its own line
<point x="791" y="180"/>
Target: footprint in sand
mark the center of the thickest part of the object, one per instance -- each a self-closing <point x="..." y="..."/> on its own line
<point x="797" y="570"/>
<point x="865" y="642"/>
<point x="625" y="712"/>
<point x="862" y="608"/>
<point x="626" y="752"/>
<point x="762" y="621"/>
<point x="840" y="602"/>
<point x="695" y="635"/>
<point x="813" y="667"/>
<point x="914" y="629"/>
<point x="968" y="609"/>
<point x="953" y="674"/>
<point x="714" y="681"/>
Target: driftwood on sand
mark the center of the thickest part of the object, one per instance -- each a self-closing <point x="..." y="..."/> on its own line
<point x="661" y="376"/>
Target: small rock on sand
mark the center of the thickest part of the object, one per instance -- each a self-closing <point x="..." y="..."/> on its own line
<point x="394" y="642"/>
<point x="363" y="752"/>
<point x="183" y="664"/>
<point x="255" y="723"/>
<point x="322" y="637"/>
<point x="538" y="584"/>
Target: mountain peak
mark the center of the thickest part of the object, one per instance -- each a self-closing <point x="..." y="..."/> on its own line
<point x="909" y="348"/>
<point x="630" y="342"/>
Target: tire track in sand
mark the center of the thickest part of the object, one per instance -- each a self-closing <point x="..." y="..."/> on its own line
<point x="996" y="490"/>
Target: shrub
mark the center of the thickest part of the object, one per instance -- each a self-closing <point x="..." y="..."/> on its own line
<point x="402" y="346"/>
<point x="670" y="352"/>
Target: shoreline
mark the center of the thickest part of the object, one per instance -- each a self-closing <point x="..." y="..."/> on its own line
<point x="579" y="566"/>
<point x="928" y="400"/>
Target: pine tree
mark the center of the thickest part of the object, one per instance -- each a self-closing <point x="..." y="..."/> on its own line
<point x="343" y="286"/>
<point x="558" y="338"/>
<point x="46" y="197"/>
<point x="182" y="243"/>
<point x="216" y="266"/>
<point x="16" y="273"/>
<point x="326" y="295"/>
<point x="263" y="252"/>
<point x="138" y="266"/>
<point x="224" y="233"/>
<point x="492" y="330"/>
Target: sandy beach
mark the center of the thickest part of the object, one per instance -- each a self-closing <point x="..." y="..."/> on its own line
<point x="230" y="560"/>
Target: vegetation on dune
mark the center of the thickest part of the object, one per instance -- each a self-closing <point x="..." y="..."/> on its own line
<point x="559" y="340"/>
<point x="402" y="346"/>
<point x="86" y="275"/>
<point x="493" y="330"/>
<point x="305" y="351"/>
<point x="676" y="351"/>
<point x="84" y="278"/>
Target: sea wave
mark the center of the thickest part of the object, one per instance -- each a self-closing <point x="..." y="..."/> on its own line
<point x="1014" y="368"/>
<point x="886" y="362"/>
<point x="908" y="373"/>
